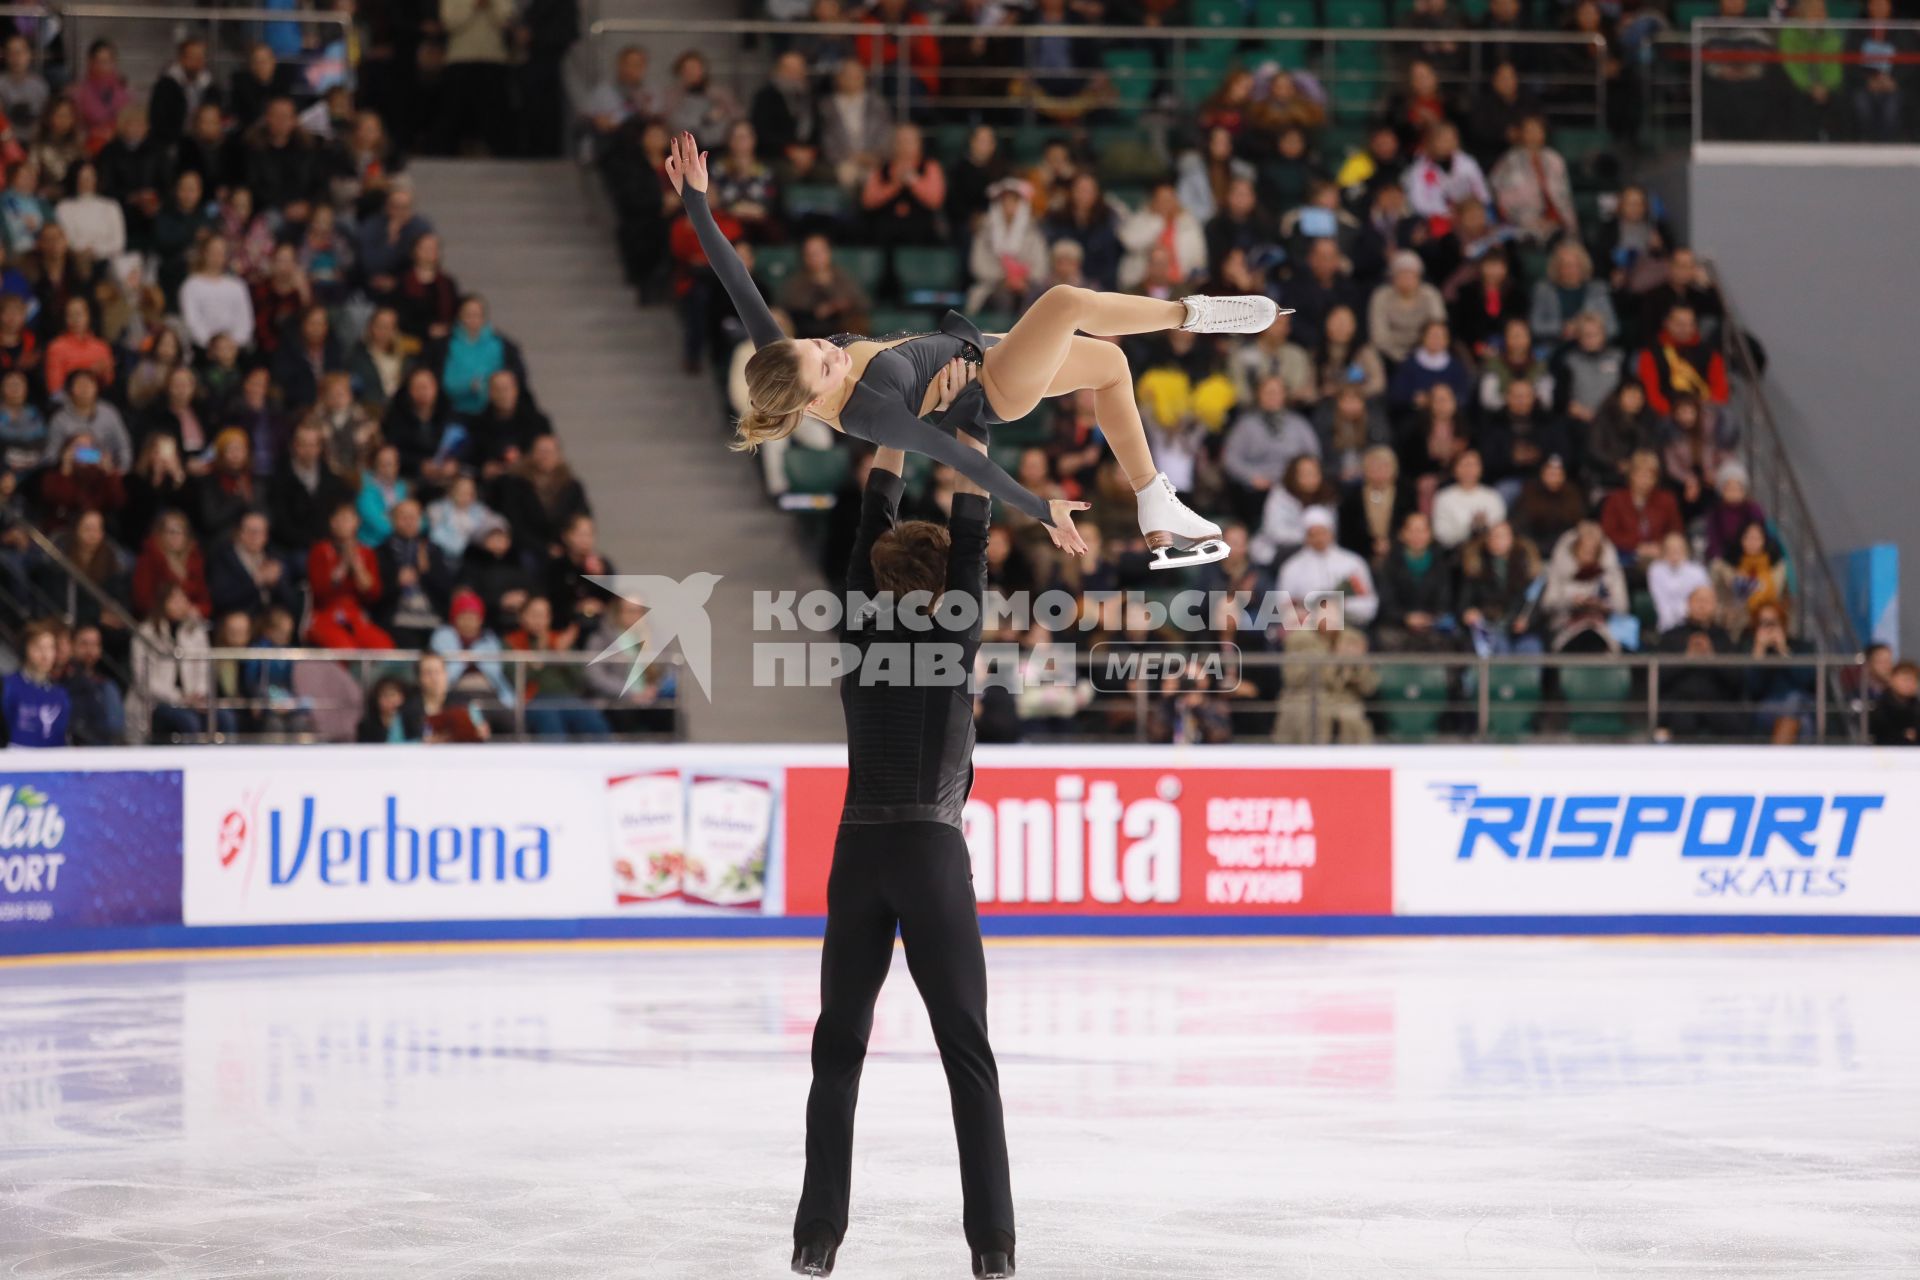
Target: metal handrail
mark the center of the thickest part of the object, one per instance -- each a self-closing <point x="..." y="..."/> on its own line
<point x="956" y="31"/>
<point x="108" y="605"/>
<point x="1176" y="38"/>
<point x="1814" y="569"/>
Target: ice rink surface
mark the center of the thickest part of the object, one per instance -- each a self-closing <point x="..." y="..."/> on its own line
<point x="1444" y="1108"/>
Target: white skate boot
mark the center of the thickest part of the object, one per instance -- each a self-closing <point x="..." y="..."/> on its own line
<point x="1175" y="535"/>
<point x="1240" y="313"/>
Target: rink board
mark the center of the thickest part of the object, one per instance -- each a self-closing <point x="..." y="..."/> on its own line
<point x="212" y="847"/>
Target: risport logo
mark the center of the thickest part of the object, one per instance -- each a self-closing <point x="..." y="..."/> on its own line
<point x="31" y="832"/>
<point x="1743" y="843"/>
<point x="302" y="846"/>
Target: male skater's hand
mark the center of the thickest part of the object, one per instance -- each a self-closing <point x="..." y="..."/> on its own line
<point x="686" y="163"/>
<point x="952" y="381"/>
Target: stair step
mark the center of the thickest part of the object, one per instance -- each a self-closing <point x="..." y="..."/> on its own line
<point x="648" y="441"/>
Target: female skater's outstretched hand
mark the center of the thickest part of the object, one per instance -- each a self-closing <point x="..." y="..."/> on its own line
<point x="686" y="163"/>
<point x="1064" y="535"/>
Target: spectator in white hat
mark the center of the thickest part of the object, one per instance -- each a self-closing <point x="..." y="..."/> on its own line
<point x="1322" y="566"/>
<point x="1009" y="253"/>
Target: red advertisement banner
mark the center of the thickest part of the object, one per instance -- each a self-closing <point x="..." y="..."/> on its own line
<point x="1143" y="841"/>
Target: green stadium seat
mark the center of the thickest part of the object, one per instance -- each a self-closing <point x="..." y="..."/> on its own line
<point x="815" y="473"/>
<point x="1361" y="15"/>
<point x="1359" y="71"/>
<point x="1035" y="428"/>
<point x="1025" y="143"/>
<point x="868" y="266"/>
<point x="993" y="321"/>
<point x="947" y="140"/>
<point x="1006" y="456"/>
<point x="886" y="322"/>
<point x="1412" y="697"/>
<point x="1203" y="65"/>
<point x="817" y="199"/>
<point x="1286" y="13"/>
<point x="1291" y="54"/>
<point x="1338" y="141"/>
<point x="928" y="276"/>
<point x="1846" y="10"/>
<point x="1596" y="698"/>
<point x="1133" y="75"/>
<point x="1124" y="153"/>
<point x="1513" y="700"/>
<point x="773" y="263"/>
<point x="1687" y="10"/>
<point x="1217" y="13"/>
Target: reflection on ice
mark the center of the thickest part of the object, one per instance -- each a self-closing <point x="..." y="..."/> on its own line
<point x="1439" y="1108"/>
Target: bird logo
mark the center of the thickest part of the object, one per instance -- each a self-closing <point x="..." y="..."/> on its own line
<point x="675" y="610"/>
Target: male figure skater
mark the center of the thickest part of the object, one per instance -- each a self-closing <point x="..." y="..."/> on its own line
<point x="899" y="862"/>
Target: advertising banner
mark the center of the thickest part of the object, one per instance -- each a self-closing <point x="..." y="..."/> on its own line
<point x="501" y="835"/>
<point x="1646" y="833"/>
<point x="89" y="849"/>
<point x="1186" y="840"/>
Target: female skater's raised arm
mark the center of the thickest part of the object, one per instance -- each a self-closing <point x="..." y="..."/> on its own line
<point x="687" y="166"/>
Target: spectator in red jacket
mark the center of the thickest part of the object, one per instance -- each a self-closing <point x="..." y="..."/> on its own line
<point x="923" y="52"/>
<point x="79" y="482"/>
<point x="1638" y="518"/>
<point x="345" y="578"/>
<point x="1679" y="363"/>
<point x="170" y="559"/>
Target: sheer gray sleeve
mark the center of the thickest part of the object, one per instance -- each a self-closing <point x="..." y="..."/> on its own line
<point x="761" y="326"/>
<point x="893" y="427"/>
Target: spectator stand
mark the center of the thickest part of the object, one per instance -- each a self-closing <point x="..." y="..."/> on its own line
<point x="176" y="467"/>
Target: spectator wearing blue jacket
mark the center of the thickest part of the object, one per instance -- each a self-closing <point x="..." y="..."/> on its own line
<point x="1429" y="364"/>
<point x="37" y="711"/>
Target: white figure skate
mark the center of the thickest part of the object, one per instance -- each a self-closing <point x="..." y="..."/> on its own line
<point x="1175" y="535"/>
<point x="1240" y="313"/>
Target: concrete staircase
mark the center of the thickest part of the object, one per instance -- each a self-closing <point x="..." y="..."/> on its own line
<point x="648" y="441"/>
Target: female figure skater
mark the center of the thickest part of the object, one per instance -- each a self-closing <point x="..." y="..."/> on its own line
<point x="878" y="390"/>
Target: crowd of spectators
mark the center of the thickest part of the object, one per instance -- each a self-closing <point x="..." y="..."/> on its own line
<point x="1501" y="419"/>
<point x="244" y="397"/>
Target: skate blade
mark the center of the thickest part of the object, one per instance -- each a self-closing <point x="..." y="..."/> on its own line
<point x="1206" y="551"/>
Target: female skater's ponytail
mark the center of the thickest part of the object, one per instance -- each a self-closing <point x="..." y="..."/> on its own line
<point x="776" y="397"/>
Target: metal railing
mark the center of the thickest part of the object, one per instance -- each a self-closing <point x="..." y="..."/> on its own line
<point x="1822" y="613"/>
<point x="80" y="24"/>
<point x="1505" y="697"/>
<point x="511" y="712"/>
<point x="1346" y="61"/>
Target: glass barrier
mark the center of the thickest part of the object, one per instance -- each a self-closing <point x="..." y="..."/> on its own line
<point x="1100" y="77"/>
<point x="265" y="695"/>
<point x="1805" y="81"/>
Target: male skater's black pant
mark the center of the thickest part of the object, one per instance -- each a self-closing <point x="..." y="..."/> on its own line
<point x="915" y="875"/>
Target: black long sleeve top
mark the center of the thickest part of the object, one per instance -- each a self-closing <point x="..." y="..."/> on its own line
<point x="910" y="743"/>
<point x="884" y="408"/>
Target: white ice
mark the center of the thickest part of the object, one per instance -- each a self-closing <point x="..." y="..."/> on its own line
<point x="1456" y="1108"/>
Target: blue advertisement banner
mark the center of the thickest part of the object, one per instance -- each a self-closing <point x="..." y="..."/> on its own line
<point x="89" y="849"/>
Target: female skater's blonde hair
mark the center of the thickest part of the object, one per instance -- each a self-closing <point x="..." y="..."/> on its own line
<point x="776" y="397"/>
